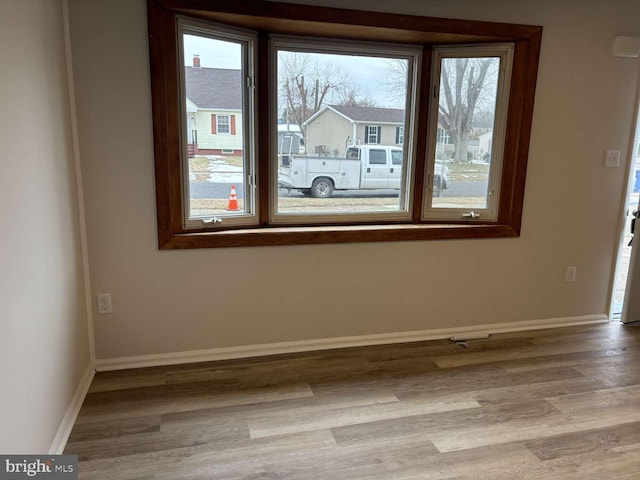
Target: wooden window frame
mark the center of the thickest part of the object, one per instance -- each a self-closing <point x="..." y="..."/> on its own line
<point x="291" y="19"/>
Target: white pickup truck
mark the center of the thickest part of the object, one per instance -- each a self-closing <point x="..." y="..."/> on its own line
<point x="364" y="167"/>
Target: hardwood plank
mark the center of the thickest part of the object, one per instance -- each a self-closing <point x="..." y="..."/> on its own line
<point x="115" y="428"/>
<point x="433" y="425"/>
<point x="443" y="347"/>
<point x="635" y="448"/>
<point x="617" y="438"/>
<point x="144" y="403"/>
<point x="544" y="405"/>
<point x="615" y="373"/>
<point x="280" y="424"/>
<point x="109" y="381"/>
<point x="377" y="462"/>
<point x="462" y="438"/>
<point x="532" y="351"/>
<point x="273" y="371"/>
<point x="605" y="465"/>
<point x="610" y="356"/>
<point x="318" y="370"/>
<point x="287" y="408"/>
<point x="539" y="391"/>
<point x="416" y="461"/>
<point x="193" y="458"/>
<point x="470" y="379"/>
<point x="221" y="433"/>
<point x="597" y="399"/>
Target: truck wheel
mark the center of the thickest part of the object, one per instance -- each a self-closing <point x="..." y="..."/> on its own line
<point x="322" y="188"/>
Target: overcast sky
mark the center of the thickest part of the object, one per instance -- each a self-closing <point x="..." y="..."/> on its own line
<point x="368" y="74"/>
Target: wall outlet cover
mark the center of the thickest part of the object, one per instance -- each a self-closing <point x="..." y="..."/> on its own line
<point x="104" y="303"/>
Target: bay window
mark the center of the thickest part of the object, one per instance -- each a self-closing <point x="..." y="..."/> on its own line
<point x="319" y="125"/>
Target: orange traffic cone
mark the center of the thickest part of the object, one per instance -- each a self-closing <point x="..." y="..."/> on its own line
<point x="233" y="200"/>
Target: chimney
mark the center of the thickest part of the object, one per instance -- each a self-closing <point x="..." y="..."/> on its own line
<point x="196" y="61"/>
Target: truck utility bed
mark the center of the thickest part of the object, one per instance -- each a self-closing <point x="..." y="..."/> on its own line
<point x="364" y="167"/>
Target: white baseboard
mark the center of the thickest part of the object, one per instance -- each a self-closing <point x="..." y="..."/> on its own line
<point x="60" y="440"/>
<point x="246" y="351"/>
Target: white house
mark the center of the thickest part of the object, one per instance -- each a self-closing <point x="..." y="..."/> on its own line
<point x="214" y="110"/>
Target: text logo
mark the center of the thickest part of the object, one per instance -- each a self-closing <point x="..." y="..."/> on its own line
<point x="52" y="467"/>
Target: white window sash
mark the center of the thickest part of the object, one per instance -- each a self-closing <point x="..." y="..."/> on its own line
<point x="490" y="213"/>
<point x="248" y="40"/>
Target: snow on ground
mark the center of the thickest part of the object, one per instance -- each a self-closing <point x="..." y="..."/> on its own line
<point x="222" y="171"/>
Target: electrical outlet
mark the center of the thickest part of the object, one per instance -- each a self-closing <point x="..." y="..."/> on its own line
<point x="104" y="303"/>
<point x="570" y="276"/>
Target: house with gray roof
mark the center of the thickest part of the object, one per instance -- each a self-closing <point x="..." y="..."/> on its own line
<point x="335" y="127"/>
<point x="214" y="110"/>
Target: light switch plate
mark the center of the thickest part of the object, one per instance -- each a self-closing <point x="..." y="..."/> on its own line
<point x="612" y="159"/>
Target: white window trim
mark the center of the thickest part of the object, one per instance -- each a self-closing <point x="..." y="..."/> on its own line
<point x="490" y="213"/>
<point x="248" y="40"/>
<point x="412" y="53"/>
<point x="374" y="135"/>
<point x="228" y="125"/>
<point x="400" y="135"/>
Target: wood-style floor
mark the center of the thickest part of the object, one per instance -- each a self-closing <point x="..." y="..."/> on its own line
<point x="546" y="404"/>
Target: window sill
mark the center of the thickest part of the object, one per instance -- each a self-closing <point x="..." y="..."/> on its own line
<point x="333" y="234"/>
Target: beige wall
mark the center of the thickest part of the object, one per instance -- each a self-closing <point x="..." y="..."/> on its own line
<point x="332" y="130"/>
<point x="43" y="328"/>
<point x="387" y="137"/>
<point x="173" y="301"/>
<point x="329" y="129"/>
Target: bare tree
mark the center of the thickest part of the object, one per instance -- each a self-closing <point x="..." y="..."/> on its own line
<point x="306" y="85"/>
<point x="461" y="87"/>
<point x="396" y="82"/>
<point x="462" y="93"/>
<point x="350" y="96"/>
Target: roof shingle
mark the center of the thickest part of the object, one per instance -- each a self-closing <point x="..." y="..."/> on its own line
<point x="371" y="114"/>
<point x="214" y="87"/>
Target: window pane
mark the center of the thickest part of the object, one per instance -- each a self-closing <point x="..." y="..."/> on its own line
<point x="465" y="133"/>
<point x="377" y="157"/>
<point x="215" y="146"/>
<point x="345" y="111"/>
<point x="223" y="125"/>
